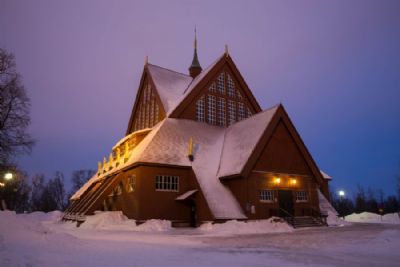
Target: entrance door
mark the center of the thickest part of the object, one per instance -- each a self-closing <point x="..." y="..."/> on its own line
<point x="285" y="203"/>
<point x="193" y="218"/>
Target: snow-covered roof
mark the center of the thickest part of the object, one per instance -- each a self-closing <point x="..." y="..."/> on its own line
<point x="170" y="85"/>
<point x="214" y="147"/>
<point x="325" y="175"/>
<point x="186" y="194"/>
<point x="240" y="141"/>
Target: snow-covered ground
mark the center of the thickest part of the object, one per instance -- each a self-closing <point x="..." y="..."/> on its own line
<point x="109" y="239"/>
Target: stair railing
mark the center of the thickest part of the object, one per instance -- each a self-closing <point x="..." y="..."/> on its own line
<point x="289" y="218"/>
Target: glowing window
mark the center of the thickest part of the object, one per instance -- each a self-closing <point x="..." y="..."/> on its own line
<point x="131" y="183"/>
<point x="156" y="113"/>
<point x="231" y="112"/>
<point x="212" y="110"/>
<point x="221" y="112"/>
<point x="118" y="190"/>
<point x="200" y="109"/>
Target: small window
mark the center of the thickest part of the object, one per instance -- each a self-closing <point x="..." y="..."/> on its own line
<point x="212" y="110"/>
<point x="200" y="109"/>
<point x="249" y="113"/>
<point x="266" y="196"/>
<point x="118" y="190"/>
<point x="301" y="196"/>
<point x="221" y="84"/>
<point x="131" y="184"/>
<point x="167" y="183"/>
<point x="221" y="112"/>
<point x="231" y="112"/>
<point x="241" y="111"/>
<point x="231" y="87"/>
<point x="212" y="88"/>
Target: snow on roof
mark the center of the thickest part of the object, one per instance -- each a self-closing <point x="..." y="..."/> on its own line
<point x="217" y="152"/>
<point x="186" y="194"/>
<point x="84" y="187"/>
<point x="325" y="175"/>
<point x="170" y="85"/>
<point x="240" y="141"/>
<point x="169" y="146"/>
<point x="135" y="153"/>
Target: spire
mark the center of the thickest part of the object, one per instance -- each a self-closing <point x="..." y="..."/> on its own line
<point x="195" y="68"/>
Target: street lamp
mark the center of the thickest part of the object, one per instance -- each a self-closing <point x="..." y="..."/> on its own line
<point x="341" y="193"/>
<point x="8" y="176"/>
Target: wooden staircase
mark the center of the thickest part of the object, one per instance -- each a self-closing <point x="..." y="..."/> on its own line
<point x="316" y="220"/>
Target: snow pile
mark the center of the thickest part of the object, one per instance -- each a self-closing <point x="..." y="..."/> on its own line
<point x="110" y="220"/>
<point x="334" y="220"/>
<point x="272" y="225"/>
<point x="327" y="209"/>
<point x="154" y="226"/>
<point x="116" y="220"/>
<point x="368" y="217"/>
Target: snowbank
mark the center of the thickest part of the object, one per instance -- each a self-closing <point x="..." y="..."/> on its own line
<point x="368" y="217"/>
<point x="272" y="225"/>
<point x="116" y="220"/>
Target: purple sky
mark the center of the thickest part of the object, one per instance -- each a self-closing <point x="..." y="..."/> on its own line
<point x="334" y="65"/>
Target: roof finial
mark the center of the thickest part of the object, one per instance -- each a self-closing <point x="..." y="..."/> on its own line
<point x="195" y="38"/>
<point x="195" y="68"/>
<point x="146" y="60"/>
<point x="226" y="50"/>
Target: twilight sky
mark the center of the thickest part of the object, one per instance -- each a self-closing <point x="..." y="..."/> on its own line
<point x="335" y="65"/>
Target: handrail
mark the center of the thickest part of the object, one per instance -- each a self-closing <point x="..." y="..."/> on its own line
<point x="290" y="215"/>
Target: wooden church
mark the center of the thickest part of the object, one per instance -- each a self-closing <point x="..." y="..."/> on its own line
<point x="198" y="148"/>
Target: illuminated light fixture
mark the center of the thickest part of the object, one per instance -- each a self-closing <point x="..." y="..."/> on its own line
<point x="8" y="176"/>
<point x="277" y="180"/>
<point x="99" y="168"/>
<point x="341" y="193"/>
<point x="2" y="184"/>
<point x="190" y="149"/>
<point x="293" y="181"/>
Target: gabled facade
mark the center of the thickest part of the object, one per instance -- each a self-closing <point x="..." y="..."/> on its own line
<point x="199" y="148"/>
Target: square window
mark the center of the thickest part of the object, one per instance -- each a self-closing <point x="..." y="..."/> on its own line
<point x="301" y="196"/>
<point x="266" y="195"/>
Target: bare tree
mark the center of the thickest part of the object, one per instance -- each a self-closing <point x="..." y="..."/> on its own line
<point x="14" y="111"/>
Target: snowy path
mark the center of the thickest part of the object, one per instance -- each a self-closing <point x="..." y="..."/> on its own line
<point x="354" y="245"/>
<point x="28" y="241"/>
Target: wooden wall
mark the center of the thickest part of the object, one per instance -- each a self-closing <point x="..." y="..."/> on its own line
<point x="145" y="202"/>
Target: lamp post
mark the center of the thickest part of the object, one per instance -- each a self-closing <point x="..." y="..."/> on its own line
<point x="8" y="176"/>
<point x="342" y="195"/>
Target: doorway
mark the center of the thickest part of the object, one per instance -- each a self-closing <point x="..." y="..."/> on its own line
<point x="285" y="200"/>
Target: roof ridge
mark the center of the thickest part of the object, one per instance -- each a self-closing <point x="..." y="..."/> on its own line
<point x="177" y="72"/>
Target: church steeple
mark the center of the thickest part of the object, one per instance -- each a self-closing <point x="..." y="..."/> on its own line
<point x="195" y="68"/>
